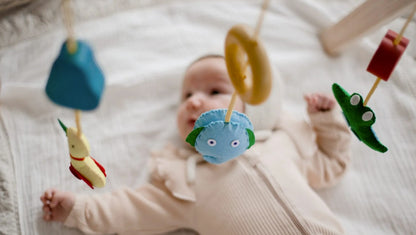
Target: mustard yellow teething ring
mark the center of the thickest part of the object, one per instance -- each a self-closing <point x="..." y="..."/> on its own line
<point x="243" y="50"/>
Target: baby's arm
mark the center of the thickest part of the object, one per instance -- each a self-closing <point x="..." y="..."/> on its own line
<point x="146" y="210"/>
<point x="323" y="145"/>
<point x="327" y="164"/>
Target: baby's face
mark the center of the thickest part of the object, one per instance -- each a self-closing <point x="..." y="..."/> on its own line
<point x="206" y="86"/>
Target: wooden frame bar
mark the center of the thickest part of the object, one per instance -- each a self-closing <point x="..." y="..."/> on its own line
<point x="365" y="18"/>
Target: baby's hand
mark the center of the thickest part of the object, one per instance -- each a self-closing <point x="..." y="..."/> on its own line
<point x="56" y="205"/>
<point x="318" y="102"/>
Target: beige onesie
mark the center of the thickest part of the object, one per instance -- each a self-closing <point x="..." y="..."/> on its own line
<point x="267" y="190"/>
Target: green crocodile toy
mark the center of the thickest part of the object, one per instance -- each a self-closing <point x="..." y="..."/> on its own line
<point x="360" y="118"/>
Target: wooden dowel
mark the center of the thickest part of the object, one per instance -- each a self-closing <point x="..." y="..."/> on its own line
<point x="370" y="93"/>
<point x="231" y="107"/>
<point x="68" y="20"/>
<point x="78" y="121"/>
<point x="400" y="35"/>
<point x="261" y="18"/>
<point x="234" y="97"/>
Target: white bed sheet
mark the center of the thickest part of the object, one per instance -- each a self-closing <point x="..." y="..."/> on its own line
<point x="143" y="48"/>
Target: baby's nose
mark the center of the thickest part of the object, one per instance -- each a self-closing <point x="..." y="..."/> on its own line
<point x="195" y="102"/>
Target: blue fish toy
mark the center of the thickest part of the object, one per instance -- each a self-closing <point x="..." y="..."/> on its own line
<point x="219" y="141"/>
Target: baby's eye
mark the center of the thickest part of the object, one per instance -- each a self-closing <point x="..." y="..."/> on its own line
<point x="187" y="95"/>
<point x="215" y="92"/>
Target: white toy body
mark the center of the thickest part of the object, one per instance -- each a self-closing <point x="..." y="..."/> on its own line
<point x="83" y="166"/>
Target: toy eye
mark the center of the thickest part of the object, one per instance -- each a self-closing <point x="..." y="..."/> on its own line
<point x="235" y="143"/>
<point x="355" y="99"/>
<point x="211" y="142"/>
<point x="73" y="146"/>
<point x="367" y="116"/>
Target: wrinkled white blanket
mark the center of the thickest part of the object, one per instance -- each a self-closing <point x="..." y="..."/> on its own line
<point x="143" y="48"/>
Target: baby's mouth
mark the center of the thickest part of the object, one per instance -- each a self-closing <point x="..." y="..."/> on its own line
<point x="191" y="122"/>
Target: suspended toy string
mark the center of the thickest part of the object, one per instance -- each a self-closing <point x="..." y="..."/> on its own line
<point x="256" y="33"/>
<point x="395" y="43"/>
<point x="77" y="82"/>
<point x="358" y="115"/>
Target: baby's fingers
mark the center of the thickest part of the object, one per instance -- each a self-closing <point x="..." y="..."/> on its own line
<point x="47" y="217"/>
<point x="46" y="212"/>
<point x="326" y="102"/>
<point x="57" y="198"/>
<point x="49" y="193"/>
<point x="309" y="98"/>
<point x="44" y="200"/>
<point x="46" y="197"/>
<point x="46" y="209"/>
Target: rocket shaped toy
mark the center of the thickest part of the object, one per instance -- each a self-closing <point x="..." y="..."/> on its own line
<point x="77" y="82"/>
<point x="83" y="166"/>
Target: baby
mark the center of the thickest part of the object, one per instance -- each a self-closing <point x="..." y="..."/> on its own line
<point x="267" y="190"/>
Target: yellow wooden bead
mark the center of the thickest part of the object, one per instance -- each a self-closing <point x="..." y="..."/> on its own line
<point x="248" y="65"/>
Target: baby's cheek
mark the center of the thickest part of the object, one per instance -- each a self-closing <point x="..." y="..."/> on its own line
<point x="214" y="104"/>
<point x="180" y="119"/>
<point x="225" y="102"/>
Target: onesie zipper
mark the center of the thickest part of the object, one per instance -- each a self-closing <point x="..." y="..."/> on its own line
<point x="289" y="212"/>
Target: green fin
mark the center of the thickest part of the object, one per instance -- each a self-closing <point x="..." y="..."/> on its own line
<point x="251" y="138"/>
<point x="191" y="138"/>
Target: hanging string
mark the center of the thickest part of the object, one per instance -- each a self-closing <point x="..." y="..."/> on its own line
<point x="256" y="34"/>
<point x="395" y="43"/>
<point x="68" y="20"/>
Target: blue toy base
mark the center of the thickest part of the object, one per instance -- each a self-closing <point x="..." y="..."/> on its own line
<point x="219" y="141"/>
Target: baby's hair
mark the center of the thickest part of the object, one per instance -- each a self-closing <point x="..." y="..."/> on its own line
<point x="205" y="57"/>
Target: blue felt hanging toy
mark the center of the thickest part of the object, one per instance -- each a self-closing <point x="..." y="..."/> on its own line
<point x="220" y="141"/>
